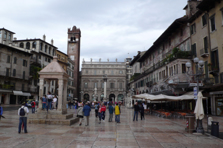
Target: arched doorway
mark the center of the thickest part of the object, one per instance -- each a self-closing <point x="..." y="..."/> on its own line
<point x="120" y="97"/>
<point x="112" y="97"/>
<point x="86" y="97"/>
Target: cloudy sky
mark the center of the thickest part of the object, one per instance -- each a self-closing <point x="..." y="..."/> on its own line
<point x="109" y="28"/>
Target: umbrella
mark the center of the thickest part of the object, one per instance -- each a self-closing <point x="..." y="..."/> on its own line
<point x="199" y="110"/>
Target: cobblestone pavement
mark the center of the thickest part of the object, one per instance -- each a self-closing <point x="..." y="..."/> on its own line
<point x="151" y="132"/>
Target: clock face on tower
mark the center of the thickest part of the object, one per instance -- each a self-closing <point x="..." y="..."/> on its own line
<point x="72" y="48"/>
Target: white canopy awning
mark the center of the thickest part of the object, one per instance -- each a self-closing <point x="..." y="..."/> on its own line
<point x="19" y="93"/>
<point x="161" y="97"/>
<point x="26" y="94"/>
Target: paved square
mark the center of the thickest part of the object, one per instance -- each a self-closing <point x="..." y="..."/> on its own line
<point x="151" y="132"/>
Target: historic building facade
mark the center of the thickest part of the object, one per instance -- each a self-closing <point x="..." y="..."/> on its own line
<point x="70" y="85"/>
<point x="73" y="52"/>
<point x="92" y="80"/>
<point x="42" y="55"/>
<point x="14" y="70"/>
<point x="62" y="59"/>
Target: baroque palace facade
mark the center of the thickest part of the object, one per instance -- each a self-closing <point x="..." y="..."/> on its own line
<point x="92" y="80"/>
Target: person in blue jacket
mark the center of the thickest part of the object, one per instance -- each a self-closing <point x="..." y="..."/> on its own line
<point x="1" y="111"/>
<point x="111" y="111"/>
<point x="86" y="111"/>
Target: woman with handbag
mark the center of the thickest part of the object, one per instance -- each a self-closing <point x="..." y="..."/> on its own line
<point x="80" y="114"/>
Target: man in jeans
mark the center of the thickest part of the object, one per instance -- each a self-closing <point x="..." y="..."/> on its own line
<point x="33" y="104"/>
<point x="23" y="113"/>
<point x="136" y="110"/>
<point x="86" y="111"/>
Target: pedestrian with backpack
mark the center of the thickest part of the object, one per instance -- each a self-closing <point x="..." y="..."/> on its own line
<point x="33" y="104"/>
<point x="23" y="113"/>
<point x="96" y="110"/>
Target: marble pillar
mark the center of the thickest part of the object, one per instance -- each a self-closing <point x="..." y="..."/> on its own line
<point x="64" y="101"/>
<point x="105" y="89"/>
<point x="60" y="94"/>
<point x="41" y="86"/>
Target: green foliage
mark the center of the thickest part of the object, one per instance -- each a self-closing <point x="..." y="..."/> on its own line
<point x="6" y="86"/>
<point x="134" y="76"/>
<point x="34" y="72"/>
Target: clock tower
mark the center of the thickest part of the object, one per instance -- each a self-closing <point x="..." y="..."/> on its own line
<point x="73" y="52"/>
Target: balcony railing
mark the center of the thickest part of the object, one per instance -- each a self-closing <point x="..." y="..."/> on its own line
<point x="204" y="52"/>
<point x="213" y="68"/>
<point x="10" y="75"/>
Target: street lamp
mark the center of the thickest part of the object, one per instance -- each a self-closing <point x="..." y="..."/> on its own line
<point x="199" y="73"/>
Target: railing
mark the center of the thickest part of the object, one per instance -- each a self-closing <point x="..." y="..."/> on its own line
<point x="35" y="60"/>
<point x="203" y="51"/>
<point x="208" y="81"/>
<point x="10" y="75"/>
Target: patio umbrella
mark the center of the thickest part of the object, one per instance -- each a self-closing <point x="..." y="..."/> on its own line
<point x="199" y="110"/>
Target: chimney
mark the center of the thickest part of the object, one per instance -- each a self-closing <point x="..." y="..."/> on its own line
<point x="15" y="38"/>
<point x="52" y="41"/>
<point x="44" y="37"/>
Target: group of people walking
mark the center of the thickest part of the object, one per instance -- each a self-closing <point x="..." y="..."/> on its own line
<point x="49" y="102"/>
<point x="137" y="109"/>
<point x="100" y="112"/>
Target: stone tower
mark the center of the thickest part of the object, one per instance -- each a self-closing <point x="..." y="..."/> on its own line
<point x="73" y="52"/>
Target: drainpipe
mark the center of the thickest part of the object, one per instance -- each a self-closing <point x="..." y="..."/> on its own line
<point x="208" y="28"/>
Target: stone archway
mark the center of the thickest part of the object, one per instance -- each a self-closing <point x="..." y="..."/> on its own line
<point x="86" y="97"/>
<point x="112" y="97"/>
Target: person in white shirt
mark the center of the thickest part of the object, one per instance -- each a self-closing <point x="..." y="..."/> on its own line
<point x="23" y="113"/>
<point x="54" y="102"/>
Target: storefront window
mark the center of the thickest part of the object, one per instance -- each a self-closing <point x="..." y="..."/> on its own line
<point x="219" y="107"/>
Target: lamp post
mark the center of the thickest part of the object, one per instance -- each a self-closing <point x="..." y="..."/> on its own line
<point x="199" y="72"/>
<point x="105" y="81"/>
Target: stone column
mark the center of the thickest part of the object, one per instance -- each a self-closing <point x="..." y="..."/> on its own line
<point x="60" y="94"/>
<point x="41" y="86"/>
<point x="47" y="86"/>
<point x="105" y="89"/>
<point x="64" y="101"/>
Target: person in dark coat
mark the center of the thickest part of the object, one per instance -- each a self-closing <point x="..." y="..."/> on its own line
<point x="86" y="111"/>
<point x="141" y="110"/>
<point x="136" y="110"/>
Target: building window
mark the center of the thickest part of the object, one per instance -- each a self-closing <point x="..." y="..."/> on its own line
<point x="8" y="59"/>
<point x="5" y="35"/>
<point x="25" y="63"/>
<point x="53" y="52"/>
<point x="52" y="83"/>
<point x="9" y="37"/>
<point x="24" y="75"/>
<point x="193" y="50"/>
<point x="103" y="71"/>
<point x="27" y="45"/>
<point x="14" y="72"/>
<point x="49" y="50"/>
<point x="95" y="72"/>
<point x="15" y="60"/>
<point x="120" y="72"/>
<point x="49" y="60"/>
<point x="193" y="28"/>
<point x="44" y="90"/>
<point x="8" y="72"/>
<point x="112" y="73"/>
<point x="95" y="85"/>
<point x="112" y="85"/>
<point x="46" y="48"/>
<point x="85" y="85"/>
<point x="41" y="46"/>
<point x="176" y="68"/>
<point x="34" y="45"/>
<point x="86" y="71"/>
<point x="39" y="56"/>
<point x="206" y="44"/>
<point x="46" y="59"/>
<point x="21" y="45"/>
<point x="23" y="87"/>
<point x="120" y="85"/>
<point x="212" y="20"/>
<point x="183" y="68"/>
<point x="102" y="85"/>
<point x="204" y="20"/>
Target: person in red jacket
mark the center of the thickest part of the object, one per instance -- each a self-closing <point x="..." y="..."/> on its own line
<point x="33" y="104"/>
<point x="103" y="109"/>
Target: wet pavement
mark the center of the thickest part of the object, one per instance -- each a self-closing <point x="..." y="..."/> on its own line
<point x="151" y="132"/>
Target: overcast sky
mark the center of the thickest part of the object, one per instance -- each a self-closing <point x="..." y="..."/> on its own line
<point x="109" y="28"/>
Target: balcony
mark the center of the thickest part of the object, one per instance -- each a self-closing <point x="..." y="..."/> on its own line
<point x="208" y="81"/>
<point x="213" y="69"/>
<point x="204" y="53"/>
<point x="35" y="60"/>
<point x="12" y="87"/>
<point x="17" y="76"/>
